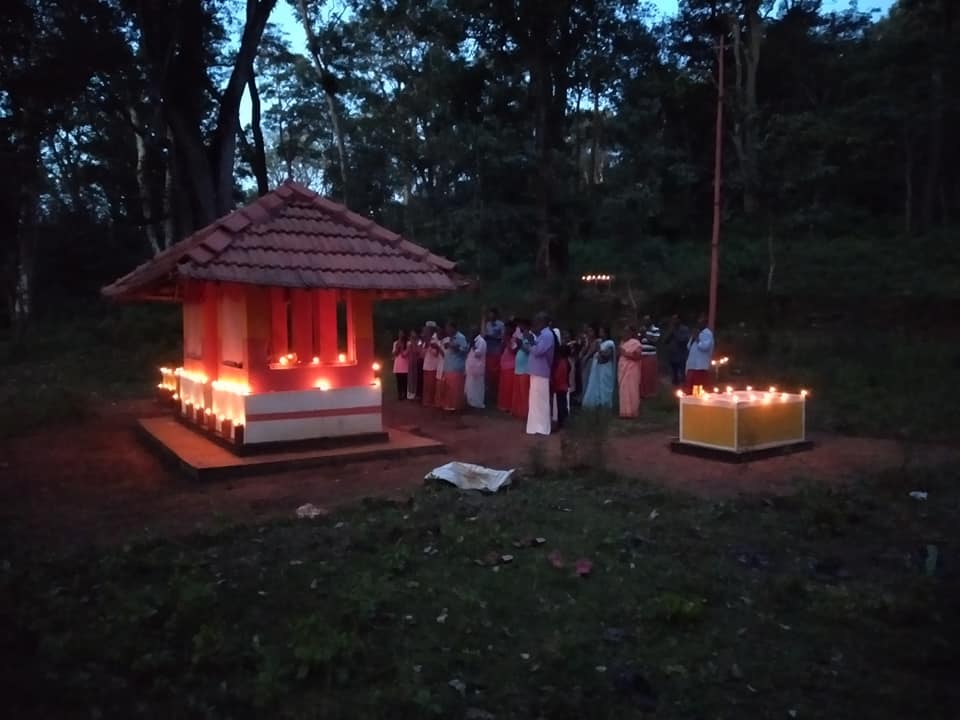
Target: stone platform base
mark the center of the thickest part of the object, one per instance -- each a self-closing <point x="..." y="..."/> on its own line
<point x="204" y="459"/>
<point x="739" y="457"/>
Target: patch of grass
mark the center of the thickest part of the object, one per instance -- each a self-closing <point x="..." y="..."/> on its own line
<point x="58" y="372"/>
<point x="457" y="602"/>
<point x="585" y="438"/>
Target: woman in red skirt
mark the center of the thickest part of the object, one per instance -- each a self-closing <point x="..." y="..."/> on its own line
<point x="507" y="364"/>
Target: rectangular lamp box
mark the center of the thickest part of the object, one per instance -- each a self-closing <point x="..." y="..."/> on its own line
<point x="743" y="421"/>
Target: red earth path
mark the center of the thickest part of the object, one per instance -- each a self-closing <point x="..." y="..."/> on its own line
<point x="95" y="482"/>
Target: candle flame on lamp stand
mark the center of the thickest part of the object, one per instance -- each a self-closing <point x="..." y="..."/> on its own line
<point x="764" y="397"/>
<point x="717" y="365"/>
<point x="597" y="279"/>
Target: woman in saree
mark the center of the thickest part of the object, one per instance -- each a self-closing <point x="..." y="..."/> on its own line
<point x="599" y="393"/>
<point x="589" y="345"/>
<point x="628" y="373"/>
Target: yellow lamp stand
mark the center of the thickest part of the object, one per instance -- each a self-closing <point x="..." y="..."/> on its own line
<point x="743" y="421"/>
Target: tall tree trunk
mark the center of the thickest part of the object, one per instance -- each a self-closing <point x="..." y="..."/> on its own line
<point x="144" y="188"/>
<point x="326" y="81"/>
<point x="934" y="154"/>
<point x="259" y="161"/>
<point x="169" y="192"/>
<point x="196" y="167"/>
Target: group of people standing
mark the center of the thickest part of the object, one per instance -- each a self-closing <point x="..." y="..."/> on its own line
<point x="532" y="371"/>
<point x="514" y="365"/>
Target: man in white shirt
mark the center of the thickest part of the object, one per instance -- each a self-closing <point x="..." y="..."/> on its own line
<point x="699" y="354"/>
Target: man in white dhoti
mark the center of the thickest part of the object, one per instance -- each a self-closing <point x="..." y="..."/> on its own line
<point x="476" y="368"/>
<point x="539" y="368"/>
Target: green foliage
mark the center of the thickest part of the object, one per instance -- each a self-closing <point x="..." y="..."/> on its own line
<point x="451" y="139"/>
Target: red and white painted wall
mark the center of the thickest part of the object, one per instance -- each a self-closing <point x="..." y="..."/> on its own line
<point x="266" y="365"/>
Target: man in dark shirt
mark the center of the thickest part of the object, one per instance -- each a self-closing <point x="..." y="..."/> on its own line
<point x="678" y="336"/>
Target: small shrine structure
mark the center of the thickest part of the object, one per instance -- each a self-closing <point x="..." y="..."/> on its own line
<point x="278" y="297"/>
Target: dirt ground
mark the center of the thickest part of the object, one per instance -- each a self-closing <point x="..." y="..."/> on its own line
<point x="95" y="482"/>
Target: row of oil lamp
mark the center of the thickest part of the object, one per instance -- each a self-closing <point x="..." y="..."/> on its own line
<point x="596" y="278"/>
<point x="169" y="377"/>
<point x="291" y="359"/>
<point x="226" y="427"/>
<point x="766" y="397"/>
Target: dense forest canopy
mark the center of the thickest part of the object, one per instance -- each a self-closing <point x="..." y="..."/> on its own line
<point x="525" y="139"/>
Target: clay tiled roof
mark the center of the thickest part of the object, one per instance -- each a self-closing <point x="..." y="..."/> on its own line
<point x="292" y="237"/>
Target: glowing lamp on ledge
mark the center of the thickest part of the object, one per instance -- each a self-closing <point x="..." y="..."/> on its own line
<point x="376" y="367"/>
<point x="323" y="385"/>
<point x="341" y="358"/>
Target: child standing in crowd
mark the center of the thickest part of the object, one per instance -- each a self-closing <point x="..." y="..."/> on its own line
<point x="401" y="364"/>
<point x="560" y="382"/>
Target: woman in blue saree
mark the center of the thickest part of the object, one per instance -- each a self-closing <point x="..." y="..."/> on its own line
<point x="602" y="377"/>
